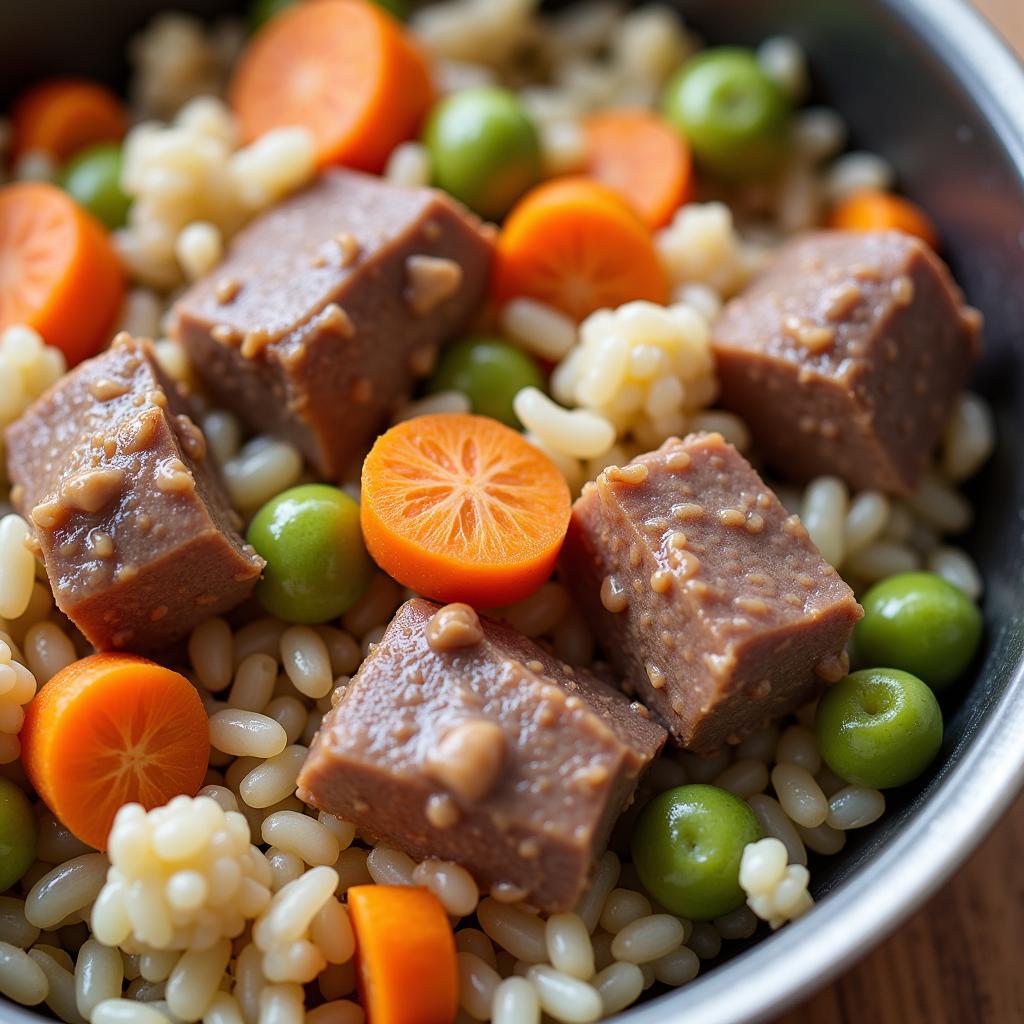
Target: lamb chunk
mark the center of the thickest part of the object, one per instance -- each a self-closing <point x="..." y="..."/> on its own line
<point x="461" y="739"/>
<point x="846" y="355"/>
<point x="707" y="595"/>
<point x="329" y="306"/>
<point x="111" y="472"/>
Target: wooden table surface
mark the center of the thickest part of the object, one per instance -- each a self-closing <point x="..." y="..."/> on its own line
<point x="959" y="960"/>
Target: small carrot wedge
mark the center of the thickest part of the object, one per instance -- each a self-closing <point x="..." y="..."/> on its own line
<point x="344" y="69"/>
<point x="113" y="729"/>
<point x="461" y="508"/>
<point x="881" y="211"/>
<point x="405" y="955"/>
<point x="59" y="272"/>
<point x="64" y="115"/>
<point x="642" y="158"/>
<point x="576" y="245"/>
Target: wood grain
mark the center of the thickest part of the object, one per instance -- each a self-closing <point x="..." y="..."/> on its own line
<point x="957" y="961"/>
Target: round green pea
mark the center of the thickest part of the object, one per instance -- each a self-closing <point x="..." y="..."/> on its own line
<point x="93" y="179"/>
<point x="735" y="117"/>
<point x="687" y="846"/>
<point x="484" y="148"/>
<point x="489" y="372"/>
<point x="17" y="834"/>
<point x="879" y="727"/>
<point x="921" y="623"/>
<point x="317" y="565"/>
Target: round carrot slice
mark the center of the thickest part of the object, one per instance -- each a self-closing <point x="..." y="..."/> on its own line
<point x="405" y="955"/>
<point x="345" y="70"/>
<point x="59" y="272"/>
<point x="113" y="729"/>
<point x="880" y="211"/>
<point x="642" y="158"/>
<point x="575" y="244"/>
<point x="61" y="116"/>
<point x="461" y="508"/>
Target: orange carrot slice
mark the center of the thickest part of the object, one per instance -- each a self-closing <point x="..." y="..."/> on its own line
<point x="881" y="211"/>
<point x="405" y="955"/>
<point x="113" y="729"/>
<point x="61" y="116"/>
<point x="575" y="245"/>
<point x="345" y="70"/>
<point x="461" y="508"/>
<point x="59" y="272"/>
<point x="643" y="159"/>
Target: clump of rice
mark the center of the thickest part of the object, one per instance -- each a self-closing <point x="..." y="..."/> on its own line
<point x="776" y="890"/>
<point x="193" y="187"/>
<point x="702" y="246"/>
<point x="28" y="367"/>
<point x="181" y="876"/>
<point x="176" y="58"/>
<point x="644" y="368"/>
<point x="17" y="688"/>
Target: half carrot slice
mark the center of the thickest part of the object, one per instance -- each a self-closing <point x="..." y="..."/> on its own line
<point x="345" y="70"/>
<point x="576" y="245"/>
<point x="881" y="211"/>
<point x="113" y="729"/>
<point x="405" y="955"/>
<point x="642" y="158"/>
<point x="61" y="116"/>
<point x="461" y="508"/>
<point x="59" y="272"/>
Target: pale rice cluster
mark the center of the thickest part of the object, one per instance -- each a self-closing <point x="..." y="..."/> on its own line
<point x="27" y="368"/>
<point x="182" y="876"/>
<point x="193" y="187"/>
<point x="17" y="688"/>
<point x="178" y="57"/>
<point x="776" y="890"/>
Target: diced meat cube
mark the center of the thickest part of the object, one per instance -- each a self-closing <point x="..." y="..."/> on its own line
<point x="461" y="739"/>
<point x="846" y="355"/>
<point x="329" y="306"/>
<point x="705" y="593"/>
<point x="137" y="535"/>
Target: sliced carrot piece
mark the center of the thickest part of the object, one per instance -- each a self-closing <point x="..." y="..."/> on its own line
<point x="113" y="729"/>
<point x="642" y="158"/>
<point x="882" y="211"/>
<point x="345" y="70"/>
<point x="64" y="115"/>
<point x="461" y="508"/>
<point x="59" y="272"/>
<point x="405" y="955"/>
<point x="575" y="245"/>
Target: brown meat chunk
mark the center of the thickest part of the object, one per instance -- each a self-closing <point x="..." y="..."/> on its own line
<point x="461" y="739"/>
<point x="707" y="595"/>
<point x="112" y="474"/>
<point x="330" y="305"/>
<point x="845" y="356"/>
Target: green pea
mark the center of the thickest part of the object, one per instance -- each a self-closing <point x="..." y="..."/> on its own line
<point x="484" y="149"/>
<point x="17" y="834"/>
<point x="489" y="372"/>
<point x="687" y="845"/>
<point x="879" y="727"/>
<point x="735" y="117"/>
<point x="317" y="566"/>
<point x="93" y="179"/>
<point x="920" y="623"/>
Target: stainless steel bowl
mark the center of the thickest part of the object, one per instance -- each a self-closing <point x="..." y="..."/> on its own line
<point x="927" y="84"/>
